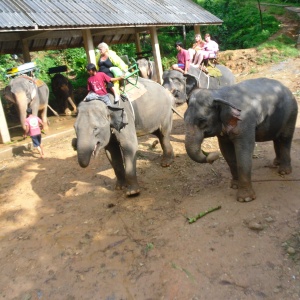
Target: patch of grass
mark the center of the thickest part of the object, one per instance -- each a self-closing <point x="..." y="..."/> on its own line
<point x="264" y="59"/>
<point x="149" y="247"/>
<point x="253" y="71"/>
<point x="281" y="43"/>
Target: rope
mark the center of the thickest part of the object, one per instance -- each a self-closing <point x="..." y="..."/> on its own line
<point x="199" y="79"/>
<point x="125" y="95"/>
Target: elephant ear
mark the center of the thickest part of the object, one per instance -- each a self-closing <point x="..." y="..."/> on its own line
<point x="191" y="83"/>
<point x="118" y="117"/>
<point x="234" y="115"/>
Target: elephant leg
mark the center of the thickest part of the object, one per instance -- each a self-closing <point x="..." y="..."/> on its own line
<point x="44" y="118"/>
<point x="239" y="158"/>
<point x="168" y="154"/>
<point x="244" y="152"/>
<point x="126" y="176"/>
<point x="282" y="149"/>
<point x="228" y="152"/>
<point x="114" y="155"/>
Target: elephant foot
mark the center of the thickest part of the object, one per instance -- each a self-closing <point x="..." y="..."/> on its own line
<point x="167" y="161"/>
<point x="285" y="170"/>
<point x="120" y="185"/>
<point x="246" y="195"/>
<point x="130" y="189"/>
<point x="132" y="192"/>
<point x="234" y="184"/>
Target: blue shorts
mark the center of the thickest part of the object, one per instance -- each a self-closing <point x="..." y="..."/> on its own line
<point x="36" y="140"/>
<point x="181" y="66"/>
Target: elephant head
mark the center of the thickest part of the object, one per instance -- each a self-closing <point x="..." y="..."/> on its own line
<point x="63" y="91"/>
<point x="147" y="69"/>
<point x="22" y="91"/>
<point x="175" y="82"/>
<point x="94" y="125"/>
<point x="207" y="116"/>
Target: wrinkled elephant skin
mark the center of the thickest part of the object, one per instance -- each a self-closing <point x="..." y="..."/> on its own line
<point x="99" y="126"/>
<point x="181" y="85"/>
<point x="63" y="92"/>
<point x="24" y="92"/>
<point x="255" y="110"/>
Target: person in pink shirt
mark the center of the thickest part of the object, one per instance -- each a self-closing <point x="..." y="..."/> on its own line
<point x="97" y="85"/>
<point x="210" y="47"/>
<point x="33" y="124"/>
<point x="183" y="59"/>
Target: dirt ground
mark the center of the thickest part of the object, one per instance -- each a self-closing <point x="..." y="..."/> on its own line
<point x="67" y="234"/>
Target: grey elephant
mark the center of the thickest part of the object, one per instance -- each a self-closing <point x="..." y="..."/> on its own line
<point x="254" y="110"/>
<point x="63" y="91"/>
<point x="24" y="92"/>
<point x="116" y="129"/>
<point x="147" y="69"/>
<point x="181" y="85"/>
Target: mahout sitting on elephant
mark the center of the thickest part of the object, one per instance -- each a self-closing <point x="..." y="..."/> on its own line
<point x="181" y="85"/>
<point x="254" y="110"/>
<point x="115" y="128"/>
<point x="24" y="92"/>
<point x="63" y="91"/>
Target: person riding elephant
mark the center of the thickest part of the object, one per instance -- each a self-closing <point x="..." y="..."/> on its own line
<point x="181" y="85"/>
<point x="116" y="127"/>
<point x="106" y="59"/>
<point x="240" y="115"/>
<point x="24" y="92"/>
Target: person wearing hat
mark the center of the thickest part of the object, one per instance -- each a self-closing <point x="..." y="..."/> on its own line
<point x="33" y="128"/>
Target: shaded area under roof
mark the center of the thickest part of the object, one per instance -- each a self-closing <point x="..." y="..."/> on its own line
<point x="58" y="24"/>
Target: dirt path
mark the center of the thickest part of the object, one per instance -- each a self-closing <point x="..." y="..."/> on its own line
<point x="67" y="234"/>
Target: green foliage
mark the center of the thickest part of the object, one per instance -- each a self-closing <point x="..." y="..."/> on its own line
<point x="6" y="62"/>
<point x="242" y="27"/>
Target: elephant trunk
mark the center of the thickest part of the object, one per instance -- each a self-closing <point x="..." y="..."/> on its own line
<point x="84" y="152"/>
<point x="143" y="73"/>
<point x="193" y="140"/>
<point x="21" y="101"/>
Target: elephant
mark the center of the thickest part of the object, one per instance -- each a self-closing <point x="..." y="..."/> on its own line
<point x="116" y="128"/>
<point x="255" y="110"/>
<point x="181" y="85"/>
<point x="147" y="69"/>
<point x="24" y="92"/>
<point x="63" y="91"/>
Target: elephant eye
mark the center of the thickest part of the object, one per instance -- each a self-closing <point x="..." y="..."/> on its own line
<point x="201" y="121"/>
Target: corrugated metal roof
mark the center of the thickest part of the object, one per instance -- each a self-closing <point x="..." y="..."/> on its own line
<point x="32" y="17"/>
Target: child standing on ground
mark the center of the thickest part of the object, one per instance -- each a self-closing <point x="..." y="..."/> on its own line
<point x="33" y="129"/>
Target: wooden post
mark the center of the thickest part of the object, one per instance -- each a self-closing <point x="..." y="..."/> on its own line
<point x="197" y="29"/>
<point x="156" y="54"/>
<point x="25" y="50"/>
<point x="4" y="133"/>
<point x="89" y="46"/>
<point x="138" y="42"/>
